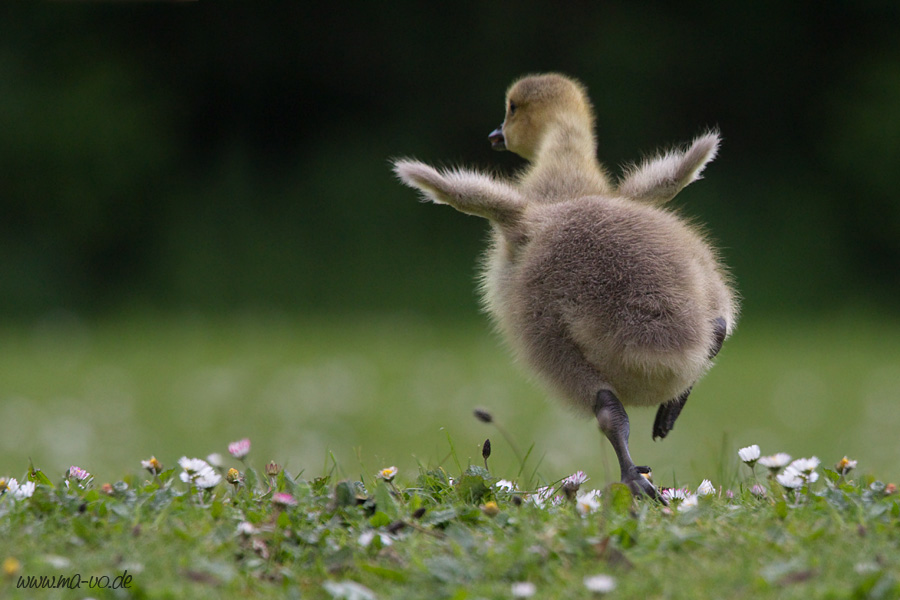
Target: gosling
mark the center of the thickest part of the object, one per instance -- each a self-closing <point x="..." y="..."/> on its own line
<point x="609" y="297"/>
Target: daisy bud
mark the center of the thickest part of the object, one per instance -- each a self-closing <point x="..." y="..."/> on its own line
<point x="483" y="415"/>
<point x="11" y="566"/>
<point x="272" y="469"/>
<point x="233" y="476"/>
<point x="490" y="509"/>
<point x="107" y="489"/>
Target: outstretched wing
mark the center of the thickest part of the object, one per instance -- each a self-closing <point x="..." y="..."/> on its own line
<point x="660" y="178"/>
<point x="465" y="190"/>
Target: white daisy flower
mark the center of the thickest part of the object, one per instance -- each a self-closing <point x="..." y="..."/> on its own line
<point x="198" y="472"/>
<point x="576" y="478"/>
<point x="247" y="528"/>
<point x="207" y="480"/>
<point x="215" y="459"/>
<point x="671" y="494"/>
<point x="689" y="503"/>
<point x="587" y="502"/>
<point x="152" y="465"/>
<point x="845" y="465"/>
<point x="600" y="584"/>
<point x="790" y="479"/>
<point x="367" y="537"/>
<point x="775" y="462"/>
<point x="506" y="485"/>
<point x="542" y="496"/>
<point x="749" y="455"/>
<point x="523" y="589"/>
<point x="20" y="492"/>
<point x="805" y="465"/>
<point x="706" y="488"/>
<point x="388" y="474"/>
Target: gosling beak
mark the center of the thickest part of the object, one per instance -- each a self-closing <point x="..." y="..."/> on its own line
<point x="498" y="142"/>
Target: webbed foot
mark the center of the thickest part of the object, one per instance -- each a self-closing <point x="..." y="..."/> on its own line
<point x="638" y="481"/>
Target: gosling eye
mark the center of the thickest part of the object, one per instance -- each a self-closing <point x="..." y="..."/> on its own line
<point x="512" y="108"/>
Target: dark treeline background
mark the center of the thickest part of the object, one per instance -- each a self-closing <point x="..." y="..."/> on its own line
<point x="218" y="156"/>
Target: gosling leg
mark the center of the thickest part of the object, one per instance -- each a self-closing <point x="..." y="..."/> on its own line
<point x="669" y="411"/>
<point x="614" y="424"/>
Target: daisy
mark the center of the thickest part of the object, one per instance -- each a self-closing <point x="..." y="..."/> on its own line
<point x="214" y="459"/>
<point x="845" y="465"/>
<point x="749" y="455"/>
<point x="240" y="448"/>
<point x="588" y="502"/>
<point x="77" y="473"/>
<point x="246" y="528"/>
<point x="20" y="492"/>
<point x="388" y="474"/>
<point x="776" y="462"/>
<point x="523" y="589"/>
<point x="706" y="488"/>
<point x="575" y="479"/>
<point x="207" y="480"/>
<point x="542" y="496"/>
<point x="689" y="503"/>
<point x="790" y="479"/>
<point x="506" y="485"/>
<point x="283" y="499"/>
<point x="198" y="472"/>
<point x="152" y="465"/>
<point x="367" y="537"/>
<point x="671" y="494"/>
<point x="600" y="584"/>
<point x="805" y="465"/>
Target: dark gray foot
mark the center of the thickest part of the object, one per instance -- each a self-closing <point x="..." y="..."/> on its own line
<point x="666" y="415"/>
<point x="719" y="339"/>
<point x="638" y="484"/>
<point x="614" y="423"/>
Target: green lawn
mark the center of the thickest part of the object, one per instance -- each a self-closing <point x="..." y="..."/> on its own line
<point x="335" y="400"/>
<point x="368" y="392"/>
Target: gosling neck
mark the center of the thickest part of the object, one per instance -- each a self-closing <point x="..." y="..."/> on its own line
<point x="566" y="165"/>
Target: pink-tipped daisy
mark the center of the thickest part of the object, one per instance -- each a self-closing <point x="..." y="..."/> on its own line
<point x="240" y="448"/>
<point x="77" y="473"/>
<point x="283" y="499"/>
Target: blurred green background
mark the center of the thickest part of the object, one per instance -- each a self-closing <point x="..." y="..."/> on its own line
<point x="201" y="238"/>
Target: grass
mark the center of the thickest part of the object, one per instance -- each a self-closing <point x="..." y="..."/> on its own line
<point x="443" y="535"/>
<point x="334" y="400"/>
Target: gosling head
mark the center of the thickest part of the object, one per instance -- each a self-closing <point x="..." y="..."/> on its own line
<point x="534" y="104"/>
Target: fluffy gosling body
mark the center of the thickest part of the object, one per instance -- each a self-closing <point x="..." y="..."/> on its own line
<point x="605" y="294"/>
